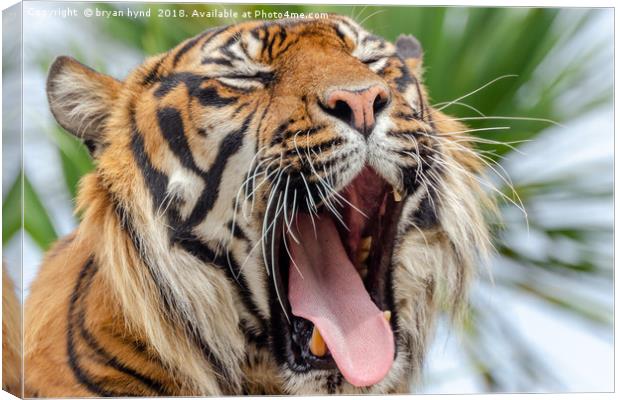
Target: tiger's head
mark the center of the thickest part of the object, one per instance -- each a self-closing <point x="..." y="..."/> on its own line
<point x="280" y="208"/>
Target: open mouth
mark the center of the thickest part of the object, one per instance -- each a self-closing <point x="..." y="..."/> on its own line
<point x="333" y="281"/>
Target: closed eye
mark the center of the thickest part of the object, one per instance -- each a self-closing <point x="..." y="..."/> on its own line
<point x="372" y="60"/>
<point x="376" y="64"/>
<point x="261" y="76"/>
<point x="245" y="81"/>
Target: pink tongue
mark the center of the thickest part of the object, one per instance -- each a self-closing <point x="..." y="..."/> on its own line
<point x="331" y="294"/>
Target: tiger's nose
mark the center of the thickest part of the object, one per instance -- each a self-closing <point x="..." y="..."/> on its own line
<point x="357" y="108"/>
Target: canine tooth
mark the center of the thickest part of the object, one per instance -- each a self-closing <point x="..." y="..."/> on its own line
<point x="362" y="255"/>
<point x="397" y="196"/>
<point x="317" y="344"/>
<point x="387" y="315"/>
<point x="364" y="249"/>
<point x="366" y="243"/>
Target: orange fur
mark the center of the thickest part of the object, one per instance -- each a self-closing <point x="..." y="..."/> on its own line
<point x="11" y="338"/>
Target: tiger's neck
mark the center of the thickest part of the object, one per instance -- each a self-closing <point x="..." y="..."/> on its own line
<point x="172" y="293"/>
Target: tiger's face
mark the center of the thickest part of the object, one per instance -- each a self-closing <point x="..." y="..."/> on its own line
<point x="298" y="165"/>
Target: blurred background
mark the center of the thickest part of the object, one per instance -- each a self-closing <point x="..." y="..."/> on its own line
<point x="535" y="86"/>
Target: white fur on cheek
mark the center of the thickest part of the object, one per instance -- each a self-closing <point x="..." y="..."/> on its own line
<point x="183" y="185"/>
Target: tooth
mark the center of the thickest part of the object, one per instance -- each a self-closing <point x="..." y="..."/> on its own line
<point x="387" y="315"/>
<point x="397" y="196"/>
<point x="362" y="255"/>
<point x="364" y="249"/>
<point x="366" y="243"/>
<point x="317" y="344"/>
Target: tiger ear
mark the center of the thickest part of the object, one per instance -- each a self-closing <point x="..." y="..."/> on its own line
<point x="81" y="100"/>
<point x="410" y="50"/>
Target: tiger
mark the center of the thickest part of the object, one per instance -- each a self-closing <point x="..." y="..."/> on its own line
<point x="276" y="208"/>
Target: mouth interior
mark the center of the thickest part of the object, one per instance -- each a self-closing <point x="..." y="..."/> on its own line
<point x="338" y="280"/>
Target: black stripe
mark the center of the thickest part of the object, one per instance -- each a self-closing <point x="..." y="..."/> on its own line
<point x="291" y="43"/>
<point x="187" y="47"/>
<point x="282" y="35"/>
<point x="407" y="116"/>
<point x="353" y="28"/>
<point x="217" y="61"/>
<point x="328" y="164"/>
<point x="260" y="339"/>
<point x="238" y="232"/>
<point x="270" y="45"/>
<point x="225" y="49"/>
<point x="204" y="253"/>
<point x="317" y="148"/>
<point x="309" y="133"/>
<point x="93" y="385"/>
<point x="229" y="146"/>
<point x="194" y="246"/>
<point x="421" y="112"/>
<point x="169" y="82"/>
<point x="373" y="38"/>
<point x="334" y="381"/>
<point x="411" y="133"/>
<point x="403" y="81"/>
<point x="239" y="89"/>
<point x="264" y="40"/>
<point x="155" y="180"/>
<point x="239" y="108"/>
<point x="215" y="32"/>
<point x="262" y="117"/>
<point x="279" y="132"/>
<point x="153" y="75"/>
<point x="425" y="216"/>
<point x="283" y="132"/>
<point x="171" y="126"/>
<point x="208" y="96"/>
<point x="110" y="360"/>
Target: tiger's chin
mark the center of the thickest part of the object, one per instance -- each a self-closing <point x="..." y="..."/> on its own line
<point x="332" y="283"/>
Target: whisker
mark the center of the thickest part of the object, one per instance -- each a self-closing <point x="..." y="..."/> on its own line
<point x="455" y="103"/>
<point x="477" y="90"/>
<point x="499" y="117"/>
<point x="289" y="253"/>
<point x="494" y="128"/>
<point x="488" y="185"/>
<point x="286" y="221"/>
<point x="371" y="15"/>
<point x="267" y="226"/>
<point x="330" y="187"/>
<point x="273" y="263"/>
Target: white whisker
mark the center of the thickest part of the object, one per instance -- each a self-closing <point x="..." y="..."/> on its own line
<point x="477" y="90"/>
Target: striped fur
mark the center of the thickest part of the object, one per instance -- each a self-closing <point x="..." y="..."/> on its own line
<point x="163" y="288"/>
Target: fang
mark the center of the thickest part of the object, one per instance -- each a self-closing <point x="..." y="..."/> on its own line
<point x="387" y="315"/>
<point x="317" y="344"/>
<point x="362" y="256"/>
<point x="366" y="243"/>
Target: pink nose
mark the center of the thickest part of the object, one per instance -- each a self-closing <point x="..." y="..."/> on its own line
<point x="357" y="108"/>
